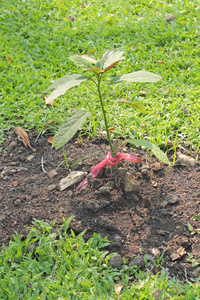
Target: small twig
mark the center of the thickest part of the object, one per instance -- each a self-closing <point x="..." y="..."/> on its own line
<point x="42" y="164"/>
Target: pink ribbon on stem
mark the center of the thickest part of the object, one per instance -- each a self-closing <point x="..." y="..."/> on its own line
<point x="112" y="161"/>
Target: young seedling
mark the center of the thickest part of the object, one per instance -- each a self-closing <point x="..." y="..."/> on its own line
<point x="96" y="70"/>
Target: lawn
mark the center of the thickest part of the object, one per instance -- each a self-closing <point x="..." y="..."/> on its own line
<point x="37" y="37"/>
<point x="57" y="264"/>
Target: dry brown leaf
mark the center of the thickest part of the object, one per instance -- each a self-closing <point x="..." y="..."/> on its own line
<point x="154" y="183"/>
<point x="23" y="136"/>
<point x="118" y="288"/>
<point x="143" y="92"/>
<point x="49" y="102"/>
<point x="50" y="140"/>
<point x="179" y="253"/>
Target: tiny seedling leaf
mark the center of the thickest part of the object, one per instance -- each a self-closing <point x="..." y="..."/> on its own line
<point x="63" y="84"/>
<point x="69" y="128"/>
<point x="138" y="76"/>
<point x="156" y="151"/>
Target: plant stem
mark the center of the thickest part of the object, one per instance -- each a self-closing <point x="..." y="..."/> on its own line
<point x="66" y="160"/>
<point x="104" y="114"/>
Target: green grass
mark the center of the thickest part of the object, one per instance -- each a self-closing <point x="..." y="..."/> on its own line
<point x="37" y="38"/>
<point x="55" y="264"/>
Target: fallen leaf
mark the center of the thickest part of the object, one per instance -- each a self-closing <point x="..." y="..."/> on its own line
<point x="155" y="251"/>
<point x="179" y="253"/>
<point x="48" y="102"/>
<point x="50" y="140"/>
<point x="154" y="183"/>
<point x="71" y="179"/>
<point x="30" y="157"/>
<point x="23" y="136"/>
<point x="118" y="288"/>
<point x="143" y="92"/>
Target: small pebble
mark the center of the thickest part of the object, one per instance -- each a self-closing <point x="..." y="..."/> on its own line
<point x="92" y="206"/>
<point x="17" y="202"/>
<point x="138" y="262"/>
<point x="51" y="187"/>
<point x="144" y="172"/>
<point x="106" y="203"/>
<point x="196" y="272"/>
<point x="185" y="160"/>
<point x="116" y="261"/>
<point x="104" y="190"/>
<point x="117" y="241"/>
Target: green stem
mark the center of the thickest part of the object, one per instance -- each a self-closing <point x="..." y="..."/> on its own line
<point x="66" y="160"/>
<point x="104" y="114"/>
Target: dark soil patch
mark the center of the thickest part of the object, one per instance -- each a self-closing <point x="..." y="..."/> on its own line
<point x="146" y="221"/>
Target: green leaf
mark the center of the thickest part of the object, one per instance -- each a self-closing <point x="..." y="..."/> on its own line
<point x="109" y="59"/>
<point x="138" y="76"/>
<point x="90" y="59"/>
<point x="156" y="151"/>
<point x="63" y="84"/>
<point x="69" y="128"/>
<point x="94" y="70"/>
<point x="80" y="61"/>
<point x="137" y="105"/>
<point x="85" y="62"/>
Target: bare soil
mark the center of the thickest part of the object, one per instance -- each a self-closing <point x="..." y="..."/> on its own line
<point x="150" y="219"/>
